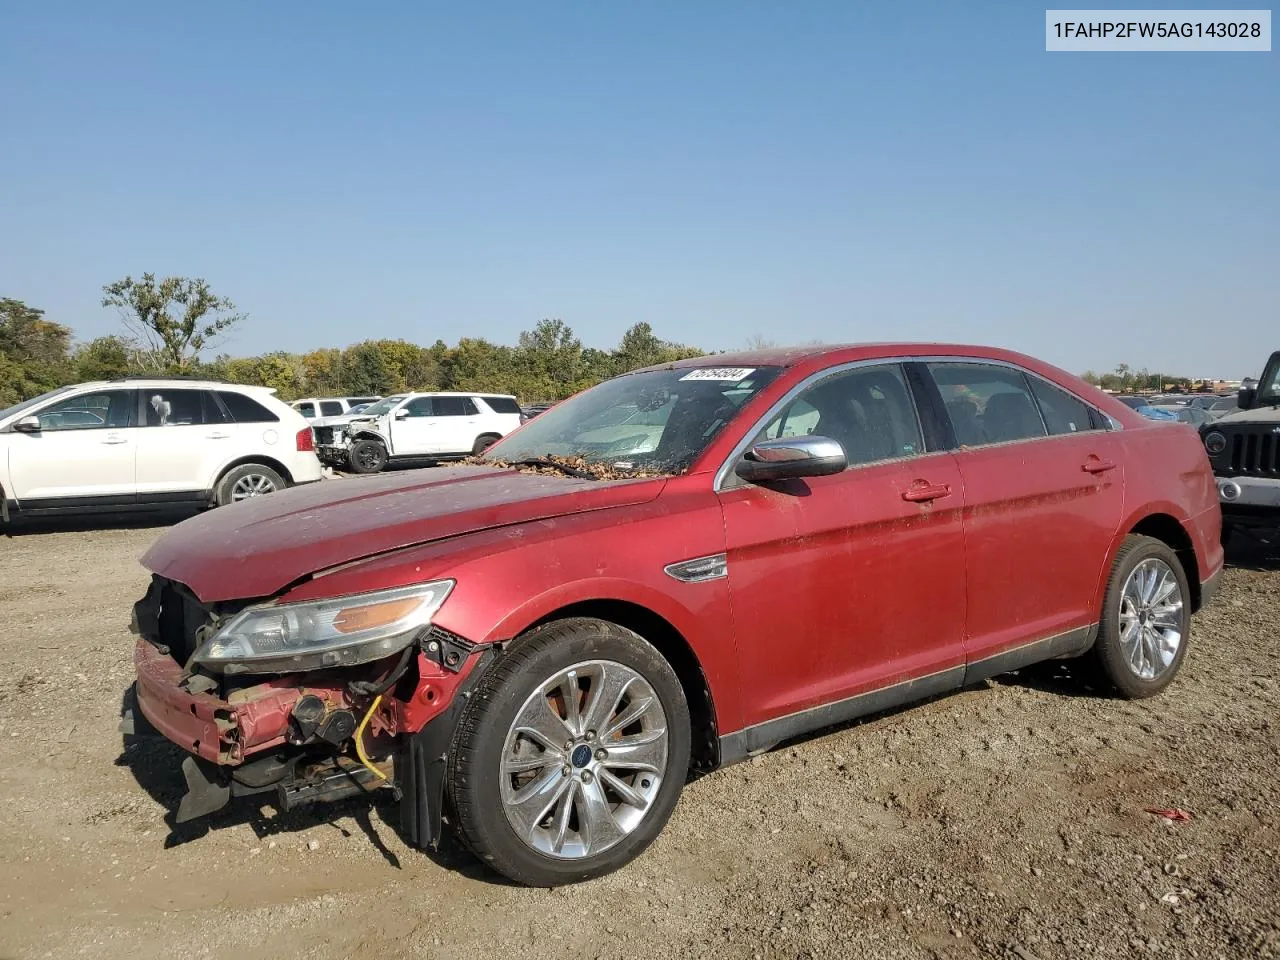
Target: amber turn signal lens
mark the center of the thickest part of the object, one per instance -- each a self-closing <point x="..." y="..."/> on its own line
<point x="369" y="616"/>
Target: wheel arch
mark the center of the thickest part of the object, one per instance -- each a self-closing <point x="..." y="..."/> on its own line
<point x="265" y="461"/>
<point x="676" y="650"/>
<point x="1170" y="531"/>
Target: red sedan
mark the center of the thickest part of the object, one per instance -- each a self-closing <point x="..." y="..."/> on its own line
<point x="665" y="574"/>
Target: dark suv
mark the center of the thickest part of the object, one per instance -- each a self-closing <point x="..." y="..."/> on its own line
<point x="1244" y="448"/>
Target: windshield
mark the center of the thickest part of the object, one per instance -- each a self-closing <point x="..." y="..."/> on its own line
<point x="654" y="422"/>
<point x="1269" y="385"/>
<point x="381" y="407"/>
<point x="17" y="408"/>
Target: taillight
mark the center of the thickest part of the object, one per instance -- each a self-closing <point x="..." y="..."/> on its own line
<point x="306" y="441"/>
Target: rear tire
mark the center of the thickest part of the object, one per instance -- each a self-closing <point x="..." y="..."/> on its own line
<point x="483" y="443"/>
<point x="245" y="482"/>
<point x="626" y="754"/>
<point x="1146" y="619"/>
<point x="367" y="456"/>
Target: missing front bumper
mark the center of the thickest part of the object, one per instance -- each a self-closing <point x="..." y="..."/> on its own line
<point x="296" y="779"/>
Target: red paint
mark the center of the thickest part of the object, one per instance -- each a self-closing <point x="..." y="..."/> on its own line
<point x="843" y="584"/>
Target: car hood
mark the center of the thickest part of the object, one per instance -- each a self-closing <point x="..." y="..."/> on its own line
<point x="340" y="420"/>
<point x="258" y="547"/>
<point x="1256" y="415"/>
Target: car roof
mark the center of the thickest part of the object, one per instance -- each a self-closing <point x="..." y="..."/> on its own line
<point x="456" y="393"/>
<point x="144" y="383"/>
<point x="823" y="354"/>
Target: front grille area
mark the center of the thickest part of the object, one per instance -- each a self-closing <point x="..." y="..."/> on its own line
<point x="1254" y="451"/>
<point x="180" y="619"/>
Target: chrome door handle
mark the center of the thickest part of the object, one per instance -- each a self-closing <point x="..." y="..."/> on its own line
<point x="217" y="436"/>
<point x="115" y="440"/>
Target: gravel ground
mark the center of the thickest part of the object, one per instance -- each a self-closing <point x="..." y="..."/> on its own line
<point x="1005" y="821"/>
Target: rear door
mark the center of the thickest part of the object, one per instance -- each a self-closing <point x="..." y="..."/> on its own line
<point x="846" y="584"/>
<point x="1044" y="484"/>
<point x="185" y="439"/>
<point x="459" y="423"/>
<point x="86" y="448"/>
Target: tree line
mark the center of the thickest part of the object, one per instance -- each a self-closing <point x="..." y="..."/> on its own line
<point x="170" y="324"/>
<point x="1126" y="380"/>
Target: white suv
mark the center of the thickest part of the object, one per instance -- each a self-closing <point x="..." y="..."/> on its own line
<point x="315" y="407"/>
<point x="137" y="443"/>
<point x="434" y="426"/>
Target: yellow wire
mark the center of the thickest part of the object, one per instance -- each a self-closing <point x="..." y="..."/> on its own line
<point x="359" y="739"/>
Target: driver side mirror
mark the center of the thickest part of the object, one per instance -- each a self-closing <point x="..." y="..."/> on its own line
<point x="790" y="458"/>
<point x="1246" y="397"/>
<point x="401" y="414"/>
<point x="27" y="425"/>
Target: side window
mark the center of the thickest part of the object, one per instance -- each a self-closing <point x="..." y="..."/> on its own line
<point x="104" y="410"/>
<point x="798" y="420"/>
<point x="330" y="408"/>
<point x="420" y="407"/>
<point x="455" y="407"/>
<point x="308" y="410"/>
<point x="213" y="412"/>
<point x="987" y="403"/>
<point x="1062" y="412"/>
<point x="502" y="404"/>
<point x="868" y="410"/>
<point x="173" y="408"/>
<point x="244" y="409"/>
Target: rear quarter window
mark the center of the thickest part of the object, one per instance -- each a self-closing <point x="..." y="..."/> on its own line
<point x="245" y="409"/>
<point x="502" y="404"/>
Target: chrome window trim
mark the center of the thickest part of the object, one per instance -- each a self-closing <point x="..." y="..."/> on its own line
<point x="724" y="473"/>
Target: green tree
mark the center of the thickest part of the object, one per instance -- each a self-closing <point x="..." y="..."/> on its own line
<point x="177" y="317"/>
<point x="37" y="350"/>
<point x="365" y="369"/>
<point x="548" y="361"/>
<point x="104" y="358"/>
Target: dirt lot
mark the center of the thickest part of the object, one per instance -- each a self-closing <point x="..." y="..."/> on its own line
<point x="1005" y="821"/>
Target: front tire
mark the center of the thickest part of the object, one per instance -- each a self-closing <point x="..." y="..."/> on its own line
<point x="367" y="456"/>
<point x="1146" y="619"/>
<point x="245" y="482"/>
<point x="571" y="754"/>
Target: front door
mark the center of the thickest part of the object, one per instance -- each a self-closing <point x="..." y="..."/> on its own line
<point x="415" y="429"/>
<point x="1044" y="496"/>
<point x="85" y="449"/>
<point x="847" y="584"/>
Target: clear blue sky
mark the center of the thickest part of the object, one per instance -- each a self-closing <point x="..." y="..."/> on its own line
<point x="834" y="171"/>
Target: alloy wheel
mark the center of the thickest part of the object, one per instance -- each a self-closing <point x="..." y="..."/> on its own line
<point x="252" y="485"/>
<point x="1151" y="615"/>
<point x="583" y="760"/>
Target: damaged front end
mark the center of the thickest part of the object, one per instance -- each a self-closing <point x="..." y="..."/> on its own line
<point x="311" y="702"/>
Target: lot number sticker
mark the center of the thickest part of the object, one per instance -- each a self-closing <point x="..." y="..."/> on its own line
<point x="720" y="374"/>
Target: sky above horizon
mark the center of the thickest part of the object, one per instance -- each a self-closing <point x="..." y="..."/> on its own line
<point x="820" y="171"/>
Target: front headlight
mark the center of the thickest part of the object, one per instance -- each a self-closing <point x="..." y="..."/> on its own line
<point x="1215" y="443"/>
<point x="341" y="632"/>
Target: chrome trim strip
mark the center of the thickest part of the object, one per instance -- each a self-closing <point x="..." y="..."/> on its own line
<point x="725" y="471"/>
<point x="699" y="569"/>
